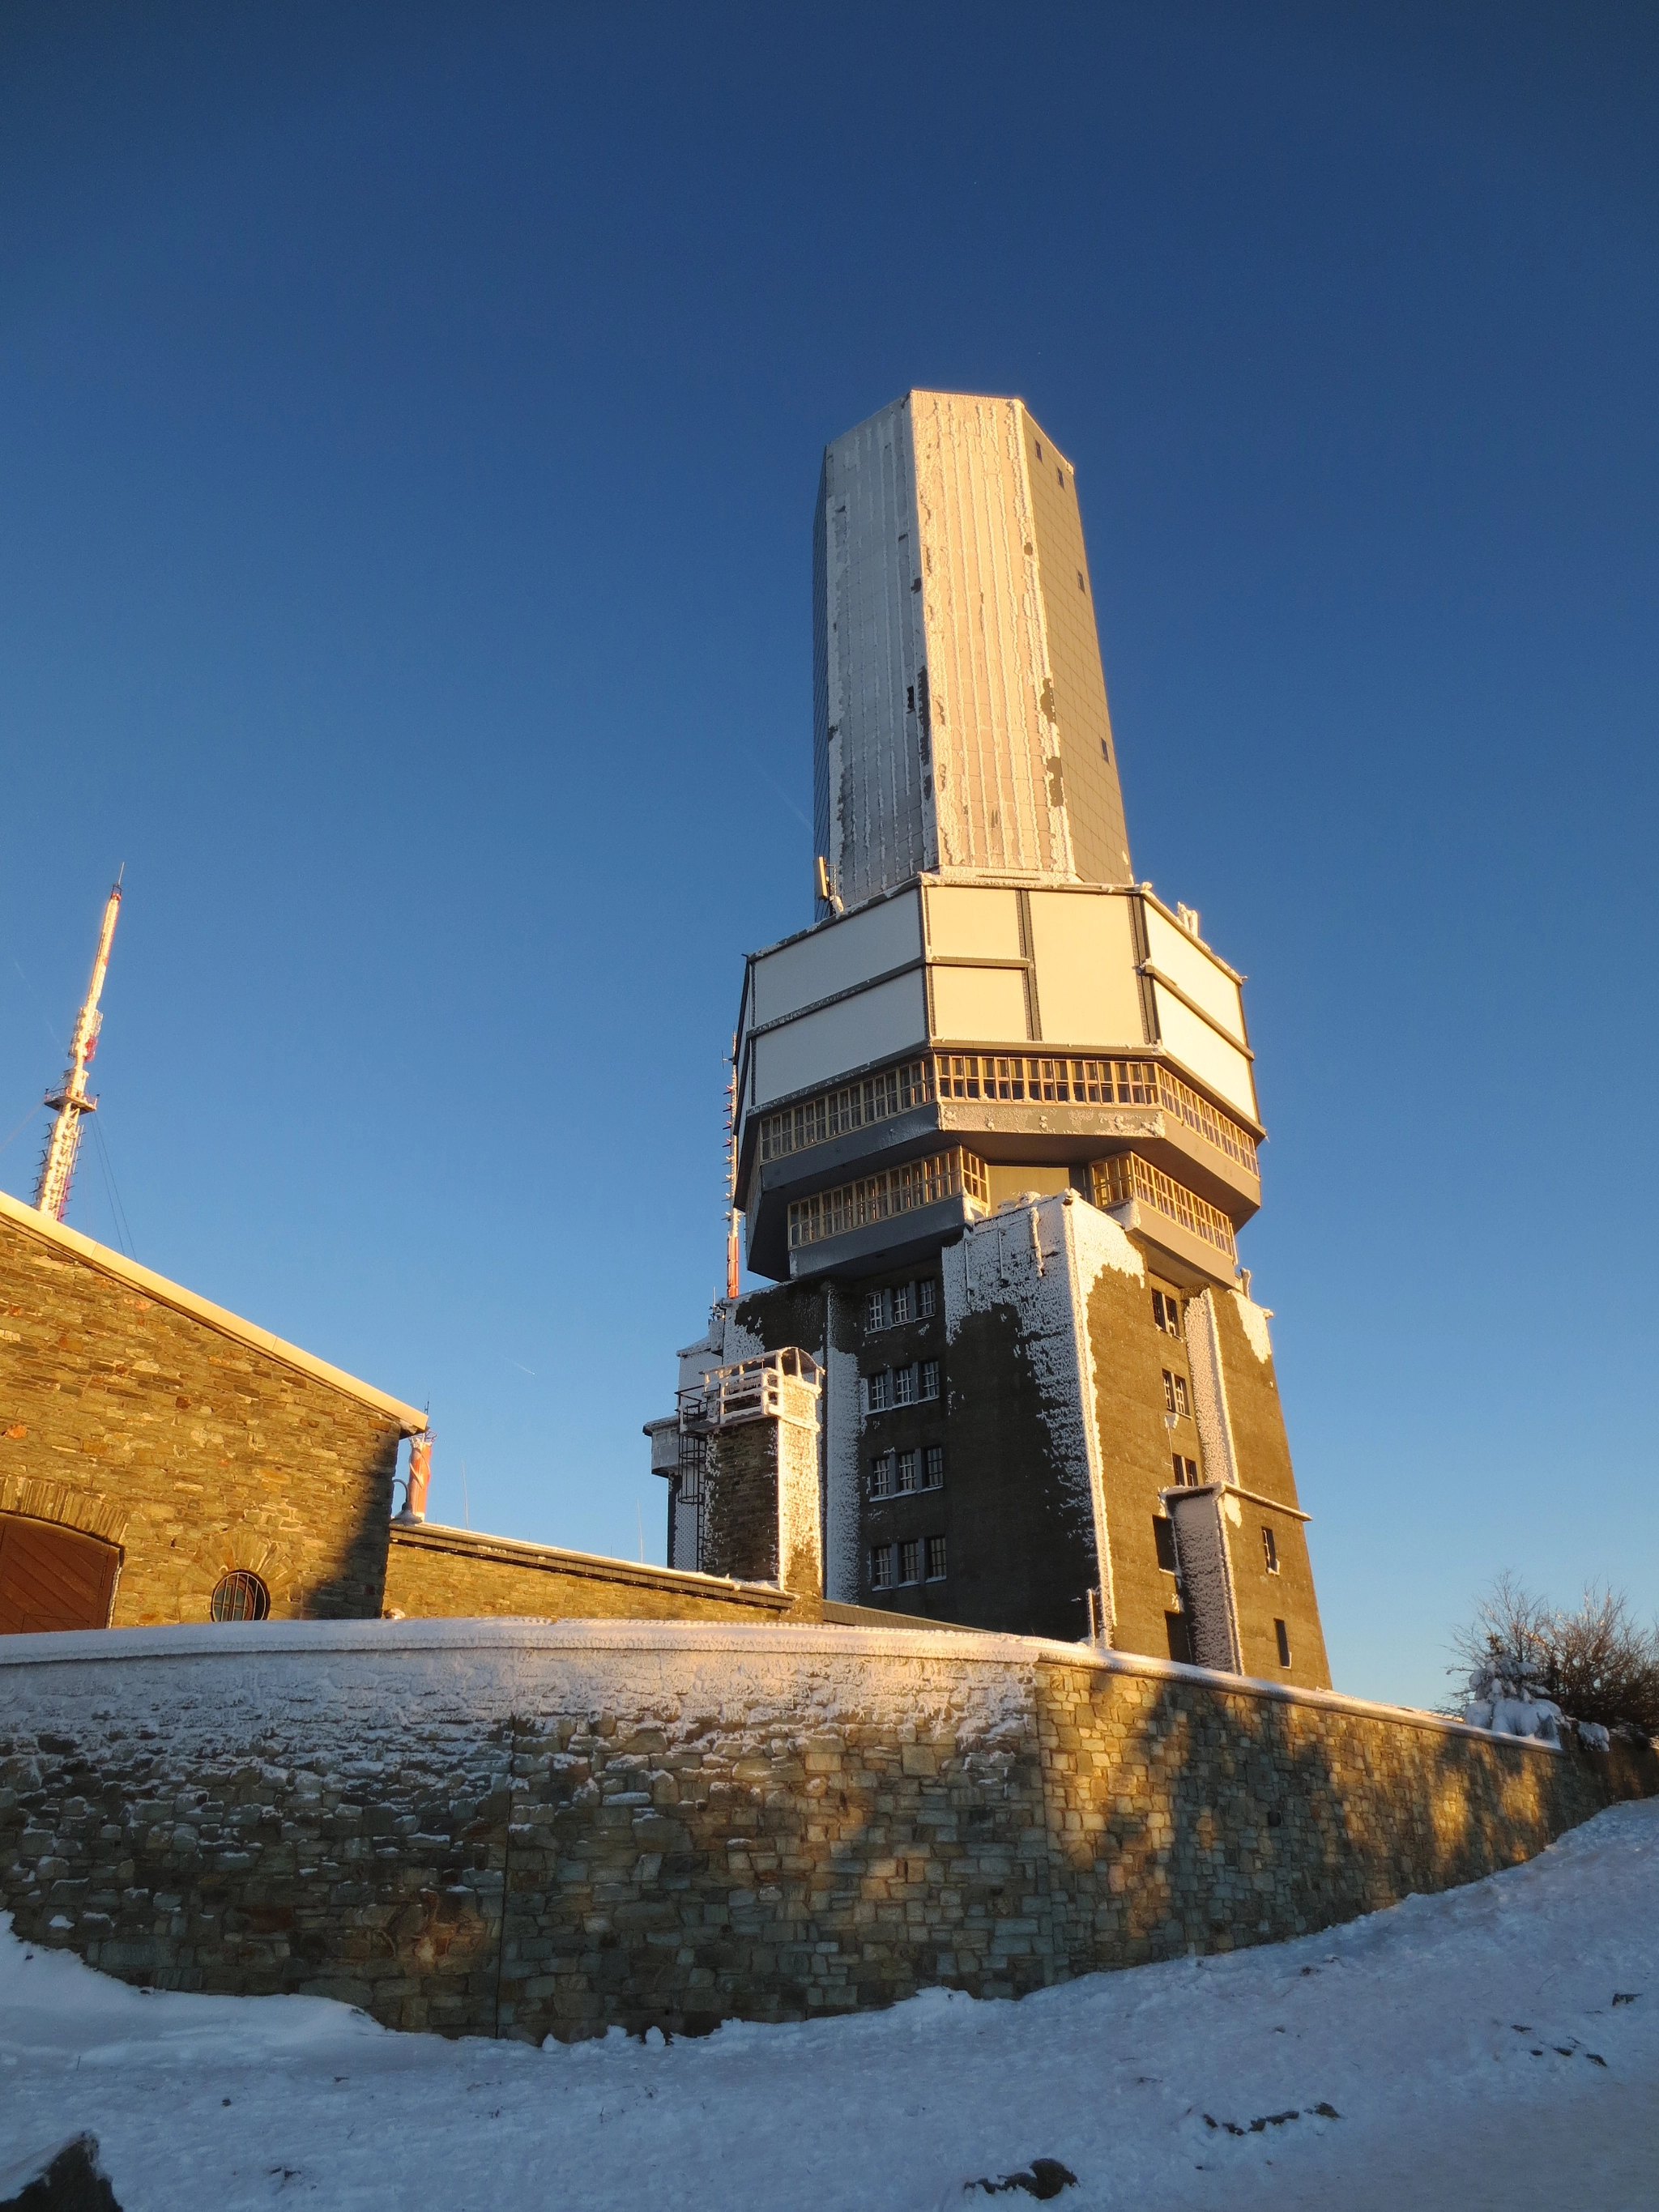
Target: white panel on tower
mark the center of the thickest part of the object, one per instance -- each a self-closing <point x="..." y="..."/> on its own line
<point x="817" y="1049"/>
<point x="1088" y="992"/>
<point x="836" y="957"/>
<point x="979" y="1006"/>
<point x="1195" y="972"/>
<point x="1204" y="1053"/>
<point x="965" y="923"/>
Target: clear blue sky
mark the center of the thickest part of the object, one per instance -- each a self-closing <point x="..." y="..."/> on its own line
<point x="409" y="422"/>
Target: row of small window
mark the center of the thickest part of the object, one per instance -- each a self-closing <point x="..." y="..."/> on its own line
<point x="901" y="1386"/>
<point x="1175" y="1400"/>
<point x="904" y="1302"/>
<point x="894" y="1565"/>
<point x="898" y="1474"/>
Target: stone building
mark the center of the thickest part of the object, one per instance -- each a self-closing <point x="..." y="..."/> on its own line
<point x="164" y="1462"/>
<point x="996" y="1117"/>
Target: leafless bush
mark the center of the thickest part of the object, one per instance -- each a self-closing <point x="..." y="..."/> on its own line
<point x="1595" y="1662"/>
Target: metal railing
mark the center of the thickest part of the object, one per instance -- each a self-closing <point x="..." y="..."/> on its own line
<point x="854" y="1106"/>
<point x="1016" y="1078"/>
<point x="881" y="1197"/>
<point x="1032" y="1079"/>
<point x="1208" y="1122"/>
<point x="1125" y="1176"/>
<point x="749" y="1390"/>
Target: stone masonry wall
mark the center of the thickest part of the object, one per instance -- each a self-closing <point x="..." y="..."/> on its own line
<point x="740" y="1502"/>
<point x="122" y="1415"/>
<point x="434" y="1573"/>
<point x="1262" y="1453"/>
<point x="524" y="1829"/>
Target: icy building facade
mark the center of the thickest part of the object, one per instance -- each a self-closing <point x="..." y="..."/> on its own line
<point x="996" y="1116"/>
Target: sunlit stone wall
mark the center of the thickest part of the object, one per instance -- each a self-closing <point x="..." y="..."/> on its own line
<point x="528" y="1828"/>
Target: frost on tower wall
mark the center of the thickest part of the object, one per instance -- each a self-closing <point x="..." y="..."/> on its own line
<point x="960" y="716"/>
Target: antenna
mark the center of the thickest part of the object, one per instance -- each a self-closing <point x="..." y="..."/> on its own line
<point x="70" y="1102"/>
<point x="731" y="1175"/>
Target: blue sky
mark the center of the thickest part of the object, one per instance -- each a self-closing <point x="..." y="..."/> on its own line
<point x="409" y="422"/>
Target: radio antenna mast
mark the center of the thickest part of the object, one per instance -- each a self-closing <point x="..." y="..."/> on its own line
<point x="731" y="1206"/>
<point x="70" y="1101"/>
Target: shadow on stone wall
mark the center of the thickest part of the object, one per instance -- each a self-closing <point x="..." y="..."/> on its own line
<point x="772" y="1837"/>
<point x="356" y="1590"/>
<point x="257" y="1868"/>
<point x="1187" y="1818"/>
<point x="770" y="1880"/>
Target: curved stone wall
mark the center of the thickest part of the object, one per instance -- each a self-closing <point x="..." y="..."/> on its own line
<point x="530" y="1828"/>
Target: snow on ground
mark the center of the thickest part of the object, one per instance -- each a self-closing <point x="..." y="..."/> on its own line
<point x="1495" y="2046"/>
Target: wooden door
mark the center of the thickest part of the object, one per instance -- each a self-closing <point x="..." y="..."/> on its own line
<point x="52" y="1577"/>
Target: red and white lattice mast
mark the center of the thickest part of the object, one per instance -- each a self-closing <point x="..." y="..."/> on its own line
<point x="70" y="1101"/>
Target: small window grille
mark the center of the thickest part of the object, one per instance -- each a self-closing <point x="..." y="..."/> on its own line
<point x="1168" y="1392"/>
<point x="881" y="1566"/>
<point x="930" y="1378"/>
<point x="910" y="1561"/>
<point x="879" y="1390"/>
<point x="933" y="1467"/>
<point x="936" y="1558"/>
<point x="904" y="1386"/>
<point x="1284" y="1637"/>
<point x="874" y="1315"/>
<point x="881" y="1475"/>
<point x="1186" y="1471"/>
<point x="1270" y="1552"/>
<point x="907" y="1473"/>
<point x="239" y="1595"/>
<point x="926" y="1298"/>
<point x="1164" y="1538"/>
<point x="901" y="1309"/>
<point x="1166" y="1313"/>
<point x="1181" y="1405"/>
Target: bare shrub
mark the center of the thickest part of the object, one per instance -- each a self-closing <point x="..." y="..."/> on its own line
<point x="1596" y="1664"/>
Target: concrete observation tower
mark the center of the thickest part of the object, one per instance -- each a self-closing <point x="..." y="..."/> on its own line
<point x="995" y="1124"/>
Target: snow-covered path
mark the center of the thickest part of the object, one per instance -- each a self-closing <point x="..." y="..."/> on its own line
<point x="1496" y="2046"/>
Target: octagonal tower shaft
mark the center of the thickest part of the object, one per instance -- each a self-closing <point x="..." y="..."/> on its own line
<point x="960" y="717"/>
